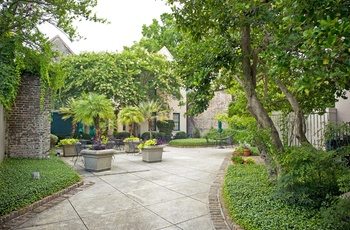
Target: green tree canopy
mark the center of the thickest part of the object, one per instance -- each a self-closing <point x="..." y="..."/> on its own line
<point x="126" y="77"/>
<point x="23" y="47"/>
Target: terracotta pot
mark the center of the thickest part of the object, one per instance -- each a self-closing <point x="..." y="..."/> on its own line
<point x="246" y="152"/>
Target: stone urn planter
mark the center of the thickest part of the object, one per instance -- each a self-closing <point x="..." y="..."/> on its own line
<point x="69" y="150"/>
<point x="152" y="153"/>
<point x="97" y="160"/>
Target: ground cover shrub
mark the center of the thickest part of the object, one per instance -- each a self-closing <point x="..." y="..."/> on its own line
<point x="189" y="142"/>
<point x="249" y="196"/>
<point x="337" y="216"/>
<point x="17" y="187"/>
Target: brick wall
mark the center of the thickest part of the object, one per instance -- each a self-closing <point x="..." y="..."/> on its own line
<point x="28" y="124"/>
<point x="205" y="120"/>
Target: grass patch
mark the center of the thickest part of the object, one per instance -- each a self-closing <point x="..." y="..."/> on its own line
<point x="191" y="142"/>
<point x="249" y="198"/>
<point x="17" y="187"/>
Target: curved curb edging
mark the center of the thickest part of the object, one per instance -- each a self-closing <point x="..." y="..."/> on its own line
<point x="18" y="217"/>
<point x="218" y="213"/>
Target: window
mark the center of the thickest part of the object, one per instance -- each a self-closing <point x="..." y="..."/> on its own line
<point x="176" y="118"/>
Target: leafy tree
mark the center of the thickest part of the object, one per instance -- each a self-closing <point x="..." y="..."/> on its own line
<point x="130" y="115"/>
<point x="126" y="77"/>
<point x="23" y="47"/>
<point x="91" y="108"/>
<point x="150" y="111"/>
<point x="261" y="44"/>
<point x="70" y="112"/>
<point x="159" y="34"/>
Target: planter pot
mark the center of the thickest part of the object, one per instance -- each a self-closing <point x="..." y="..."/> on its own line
<point x="152" y="153"/>
<point x="97" y="160"/>
<point x="246" y="152"/>
<point x="131" y="146"/>
<point x="69" y="150"/>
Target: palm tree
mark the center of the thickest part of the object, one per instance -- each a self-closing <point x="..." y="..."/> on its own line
<point x="92" y="108"/>
<point x="130" y="115"/>
<point x="70" y="112"/>
<point x="152" y="110"/>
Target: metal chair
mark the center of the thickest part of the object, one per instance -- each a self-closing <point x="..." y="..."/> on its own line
<point x="230" y="141"/>
<point x="119" y="144"/>
<point x="78" y="148"/>
<point x="133" y="148"/>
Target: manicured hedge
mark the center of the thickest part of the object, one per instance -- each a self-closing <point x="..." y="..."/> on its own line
<point x="250" y="199"/>
<point x="191" y="142"/>
<point x="17" y="187"/>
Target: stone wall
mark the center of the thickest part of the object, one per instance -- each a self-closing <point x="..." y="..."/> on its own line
<point x="2" y="133"/>
<point x="205" y="120"/>
<point x="28" y="122"/>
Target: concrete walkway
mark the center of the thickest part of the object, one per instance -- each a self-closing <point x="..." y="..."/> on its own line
<point x="172" y="194"/>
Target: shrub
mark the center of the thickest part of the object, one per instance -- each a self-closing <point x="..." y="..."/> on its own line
<point x="166" y="126"/>
<point x="181" y="135"/>
<point x="249" y="160"/>
<point x="53" y="140"/>
<point x="237" y="159"/>
<point x="338" y="215"/>
<point x="121" y="135"/>
<point x="18" y="189"/>
<point x="155" y="135"/>
<point x="308" y="175"/>
<point x="190" y="142"/>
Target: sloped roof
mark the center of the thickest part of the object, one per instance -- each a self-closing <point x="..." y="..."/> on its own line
<point x="164" y="51"/>
<point x="61" y="46"/>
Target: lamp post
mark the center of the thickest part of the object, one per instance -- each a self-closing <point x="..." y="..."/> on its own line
<point x="220" y="131"/>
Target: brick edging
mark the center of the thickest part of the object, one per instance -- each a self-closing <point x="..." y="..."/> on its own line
<point x="218" y="212"/>
<point x="8" y="221"/>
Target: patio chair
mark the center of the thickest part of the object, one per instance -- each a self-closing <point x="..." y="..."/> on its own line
<point x="119" y="144"/>
<point x="133" y="148"/>
<point x="229" y="141"/>
<point x="78" y="148"/>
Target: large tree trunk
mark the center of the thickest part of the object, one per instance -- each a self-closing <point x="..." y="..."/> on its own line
<point x="299" y="120"/>
<point x="255" y="107"/>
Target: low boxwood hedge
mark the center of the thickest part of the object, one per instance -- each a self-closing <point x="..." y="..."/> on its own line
<point x="191" y="142"/>
<point x="18" y="189"/>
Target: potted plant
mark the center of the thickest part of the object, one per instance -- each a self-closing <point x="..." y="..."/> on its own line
<point x="238" y="150"/>
<point x="237" y="159"/>
<point x="68" y="146"/>
<point x="152" y="150"/>
<point x="249" y="160"/>
<point x="130" y="144"/>
<point x="246" y="148"/>
<point x="91" y="109"/>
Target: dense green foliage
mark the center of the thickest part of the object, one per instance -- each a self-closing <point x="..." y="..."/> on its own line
<point x="121" y="135"/>
<point x="249" y="196"/>
<point x="17" y="187"/>
<point x="180" y="135"/>
<point x="166" y="126"/>
<point x="24" y="48"/>
<point x="309" y="176"/>
<point x="191" y="142"/>
<point x="127" y="77"/>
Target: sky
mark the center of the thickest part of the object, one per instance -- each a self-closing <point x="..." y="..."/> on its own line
<point x="126" y="18"/>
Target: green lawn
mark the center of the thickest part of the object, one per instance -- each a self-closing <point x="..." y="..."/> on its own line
<point x="17" y="187"/>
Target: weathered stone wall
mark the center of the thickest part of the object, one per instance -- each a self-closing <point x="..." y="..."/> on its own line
<point x="2" y="133"/>
<point x="28" y="123"/>
<point x="205" y="120"/>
